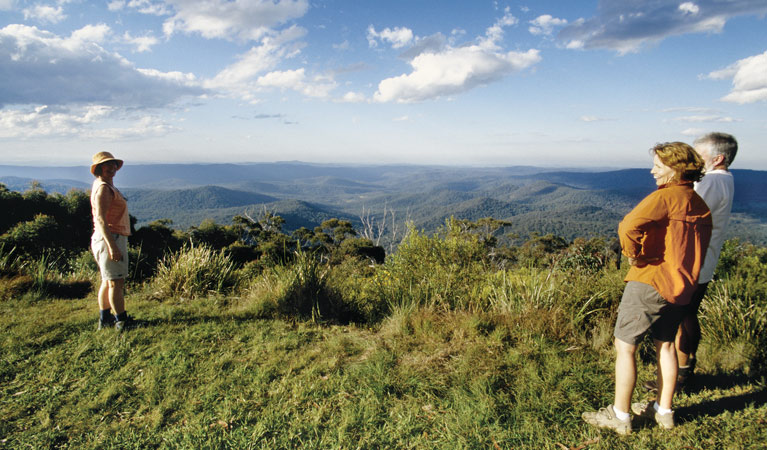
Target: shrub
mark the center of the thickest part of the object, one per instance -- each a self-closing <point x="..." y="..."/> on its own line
<point x="300" y="290"/>
<point x="443" y="271"/>
<point x="194" y="271"/>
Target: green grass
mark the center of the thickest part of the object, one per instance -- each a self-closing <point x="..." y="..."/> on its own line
<point x="208" y="373"/>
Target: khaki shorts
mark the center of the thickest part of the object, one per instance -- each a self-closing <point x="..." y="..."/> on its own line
<point x="642" y="309"/>
<point x="110" y="270"/>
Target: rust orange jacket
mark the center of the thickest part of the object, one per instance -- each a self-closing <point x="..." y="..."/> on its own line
<point x="668" y="234"/>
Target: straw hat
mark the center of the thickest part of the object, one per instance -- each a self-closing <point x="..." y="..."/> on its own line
<point x="102" y="157"/>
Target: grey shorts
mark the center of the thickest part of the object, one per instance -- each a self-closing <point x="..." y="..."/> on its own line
<point x="110" y="270"/>
<point x="643" y="309"/>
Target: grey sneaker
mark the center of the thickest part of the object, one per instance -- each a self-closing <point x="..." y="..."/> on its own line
<point x="605" y="418"/>
<point x="646" y="410"/>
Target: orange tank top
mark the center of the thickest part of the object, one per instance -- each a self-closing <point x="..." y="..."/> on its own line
<point x="118" y="220"/>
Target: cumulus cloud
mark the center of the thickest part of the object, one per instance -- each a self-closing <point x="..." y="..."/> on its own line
<point x="749" y="79"/>
<point x="239" y="19"/>
<point x="353" y="97"/>
<point x="82" y="122"/>
<point x="296" y="80"/>
<point x="627" y="25"/>
<point x="141" y="43"/>
<point x="452" y="71"/>
<point x="44" y="14"/>
<point x="441" y="69"/>
<point x="245" y="78"/>
<point x="545" y="24"/>
<point x="77" y="70"/>
<point x="398" y="37"/>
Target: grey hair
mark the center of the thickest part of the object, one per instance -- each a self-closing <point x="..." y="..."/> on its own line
<point x="720" y="144"/>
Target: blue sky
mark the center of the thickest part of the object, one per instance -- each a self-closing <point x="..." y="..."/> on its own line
<point x="485" y="83"/>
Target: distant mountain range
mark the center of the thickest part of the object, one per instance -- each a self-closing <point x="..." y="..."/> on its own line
<point x="569" y="203"/>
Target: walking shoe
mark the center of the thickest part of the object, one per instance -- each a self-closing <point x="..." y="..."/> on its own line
<point x="646" y="410"/>
<point x="108" y="323"/>
<point x="605" y="418"/>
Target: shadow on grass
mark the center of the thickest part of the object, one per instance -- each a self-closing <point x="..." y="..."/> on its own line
<point x="719" y="406"/>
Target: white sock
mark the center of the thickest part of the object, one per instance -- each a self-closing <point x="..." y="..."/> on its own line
<point x="659" y="410"/>
<point x="620" y="414"/>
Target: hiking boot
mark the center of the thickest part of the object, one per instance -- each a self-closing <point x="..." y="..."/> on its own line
<point x="646" y="410"/>
<point x="108" y="323"/>
<point x="605" y="418"/>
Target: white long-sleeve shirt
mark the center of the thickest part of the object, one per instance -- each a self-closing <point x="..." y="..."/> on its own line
<point x="717" y="189"/>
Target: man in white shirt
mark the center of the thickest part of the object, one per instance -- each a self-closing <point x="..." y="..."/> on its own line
<point x="717" y="188"/>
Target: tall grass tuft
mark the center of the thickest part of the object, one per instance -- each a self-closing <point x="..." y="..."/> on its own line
<point x="194" y="271"/>
<point x="735" y="325"/>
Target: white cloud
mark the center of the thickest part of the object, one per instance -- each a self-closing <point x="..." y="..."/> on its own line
<point x="626" y="26"/>
<point x="296" y="80"/>
<point x="353" y="97"/>
<point x="452" y="71"/>
<point x="81" y="122"/>
<point x="398" y="37"/>
<point x="240" y="19"/>
<point x="116" y="5"/>
<point x="691" y="109"/>
<point x="401" y="119"/>
<point x="494" y="34"/>
<point x="6" y="5"/>
<point x="342" y="46"/>
<point x="90" y="33"/>
<point x="44" y="14"/>
<point x="141" y="43"/>
<point x="545" y="24"/>
<point x="151" y="7"/>
<point x="694" y="132"/>
<point x="588" y="119"/>
<point x="689" y="8"/>
<point x="441" y="70"/>
<point x="749" y="79"/>
<point x="240" y="79"/>
<point x="77" y="70"/>
<point x="708" y="118"/>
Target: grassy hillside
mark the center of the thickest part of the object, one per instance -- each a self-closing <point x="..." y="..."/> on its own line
<point x="213" y="373"/>
<point x="454" y="341"/>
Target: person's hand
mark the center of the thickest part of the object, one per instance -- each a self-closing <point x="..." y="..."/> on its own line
<point x="115" y="254"/>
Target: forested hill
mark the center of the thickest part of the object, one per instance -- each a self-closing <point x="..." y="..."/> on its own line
<point x="569" y="203"/>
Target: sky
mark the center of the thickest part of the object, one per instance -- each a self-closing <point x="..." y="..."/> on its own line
<point x="476" y="82"/>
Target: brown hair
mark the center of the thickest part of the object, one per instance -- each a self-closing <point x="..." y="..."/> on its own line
<point x="682" y="158"/>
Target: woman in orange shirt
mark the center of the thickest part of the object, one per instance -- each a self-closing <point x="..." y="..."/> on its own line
<point x="109" y="243"/>
<point x="665" y="238"/>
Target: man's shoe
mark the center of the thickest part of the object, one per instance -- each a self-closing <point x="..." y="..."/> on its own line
<point x="646" y="410"/>
<point x="605" y="418"/>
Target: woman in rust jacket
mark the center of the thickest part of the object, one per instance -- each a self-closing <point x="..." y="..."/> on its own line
<point x="665" y="238"/>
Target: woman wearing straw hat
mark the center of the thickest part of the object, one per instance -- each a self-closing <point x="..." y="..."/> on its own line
<point x="109" y="243"/>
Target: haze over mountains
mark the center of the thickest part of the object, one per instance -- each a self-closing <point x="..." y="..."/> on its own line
<point x="570" y="203"/>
